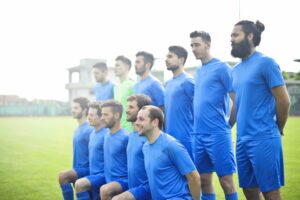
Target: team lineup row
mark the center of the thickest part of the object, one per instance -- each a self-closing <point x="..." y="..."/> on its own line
<point x="182" y="130"/>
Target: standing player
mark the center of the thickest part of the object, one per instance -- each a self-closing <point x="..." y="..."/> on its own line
<point x="80" y="149"/>
<point x="179" y="112"/>
<point x="96" y="178"/>
<point x="137" y="177"/>
<point x="124" y="88"/>
<point x="213" y="143"/>
<point x="104" y="88"/>
<point x="115" y="143"/>
<point x="170" y="170"/>
<point x="262" y="106"/>
<point x="148" y="85"/>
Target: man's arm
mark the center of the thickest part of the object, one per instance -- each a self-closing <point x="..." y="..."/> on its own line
<point x="194" y="182"/>
<point x="232" y="118"/>
<point x="282" y="105"/>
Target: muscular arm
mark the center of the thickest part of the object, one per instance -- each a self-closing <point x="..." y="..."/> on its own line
<point x="232" y="118"/>
<point x="194" y="183"/>
<point x="282" y="106"/>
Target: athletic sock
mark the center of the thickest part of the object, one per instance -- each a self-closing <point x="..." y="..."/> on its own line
<point x="83" y="196"/>
<point x="67" y="191"/>
<point x="232" y="196"/>
<point x="208" y="196"/>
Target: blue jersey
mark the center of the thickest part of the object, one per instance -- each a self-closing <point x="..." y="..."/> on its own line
<point x="178" y="107"/>
<point x="167" y="162"/>
<point x="135" y="160"/>
<point x="253" y="80"/>
<point x="80" y="146"/>
<point x="211" y="101"/>
<point x="151" y="87"/>
<point x="104" y="91"/>
<point x="96" y="156"/>
<point x="115" y="159"/>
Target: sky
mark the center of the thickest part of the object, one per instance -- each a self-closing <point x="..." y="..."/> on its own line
<point x="41" y="39"/>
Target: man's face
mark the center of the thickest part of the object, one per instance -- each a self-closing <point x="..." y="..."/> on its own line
<point x="199" y="47"/>
<point x="77" y="111"/>
<point x="143" y="122"/>
<point x="120" y="68"/>
<point x="93" y="118"/>
<point x="172" y="61"/>
<point x="140" y="67"/>
<point x="108" y="117"/>
<point x="240" y="44"/>
<point x="132" y="110"/>
<point x="99" y="75"/>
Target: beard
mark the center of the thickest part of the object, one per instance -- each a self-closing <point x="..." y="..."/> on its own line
<point x="110" y="124"/>
<point x="140" y="71"/>
<point x="78" y="116"/>
<point x="241" y="49"/>
<point x="132" y="118"/>
<point x="173" y="68"/>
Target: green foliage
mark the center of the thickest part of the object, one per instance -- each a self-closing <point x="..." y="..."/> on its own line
<point x="34" y="150"/>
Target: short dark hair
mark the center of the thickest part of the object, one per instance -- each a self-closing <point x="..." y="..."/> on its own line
<point x="83" y="103"/>
<point x="101" y="66"/>
<point x="148" y="57"/>
<point x="255" y="28"/>
<point x="125" y="60"/>
<point x="155" y="113"/>
<point x="141" y="99"/>
<point x="179" y="51"/>
<point x="114" y="105"/>
<point x="204" y="35"/>
<point x="96" y="105"/>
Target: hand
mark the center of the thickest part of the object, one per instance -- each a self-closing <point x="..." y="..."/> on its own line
<point x="281" y="133"/>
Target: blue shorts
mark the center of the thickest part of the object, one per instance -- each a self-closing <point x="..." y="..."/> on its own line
<point x="189" y="147"/>
<point x="82" y="172"/>
<point x="96" y="181"/>
<point x="260" y="164"/>
<point x="214" y="153"/>
<point x="123" y="183"/>
<point x="141" y="192"/>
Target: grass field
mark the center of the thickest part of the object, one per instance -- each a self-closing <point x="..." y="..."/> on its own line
<point x="34" y="150"/>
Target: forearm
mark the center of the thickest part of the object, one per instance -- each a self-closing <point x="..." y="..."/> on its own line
<point x="282" y="112"/>
<point x="232" y="118"/>
<point x="195" y="187"/>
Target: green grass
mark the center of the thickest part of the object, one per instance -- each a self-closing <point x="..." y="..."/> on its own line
<point x="33" y="151"/>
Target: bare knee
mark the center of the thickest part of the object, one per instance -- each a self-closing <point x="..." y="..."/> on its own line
<point x="252" y="193"/>
<point x="82" y="185"/>
<point x="207" y="183"/>
<point x="272" y="195"/>
<point x="227" y="184"/>
<point x="105" y="192"/>
<point x="67" y="177"/>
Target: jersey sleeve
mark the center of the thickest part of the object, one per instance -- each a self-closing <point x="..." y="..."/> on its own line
<point x="189" y="86"/>
<point x="180" y="157"/>
<point x="226" y="78"/>
<point x="272" y="74"/>
<point x="157" y="93"/>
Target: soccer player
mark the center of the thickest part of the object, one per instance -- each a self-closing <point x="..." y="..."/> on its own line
<point x="179" y="98"/>
<point x="262" y="106"/>
<point x="170" y="170"/>
<point x="148" y="85"/>
<point x="124" y="88"/>
<point x="137" y="177"/>
<point x="115" y="143"/>
<point x="96" y="157"/>
<point x="80" y="149"/>
<point x="104" y="88"/>
<point x="213" y="142"/>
